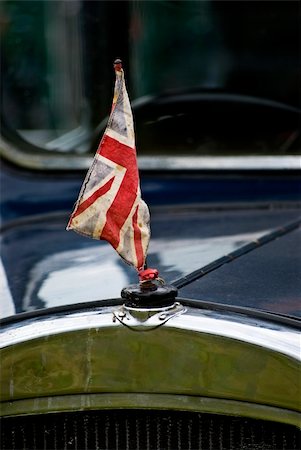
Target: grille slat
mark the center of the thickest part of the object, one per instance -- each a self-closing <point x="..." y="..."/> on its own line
<point x="140" y="429"/>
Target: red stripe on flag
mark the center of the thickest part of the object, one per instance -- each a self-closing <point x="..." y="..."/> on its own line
<point x="88" y="202"/>
<point x="118" y="152"/>
<point x="125" y="198"/>
<point x="138" y="241"/>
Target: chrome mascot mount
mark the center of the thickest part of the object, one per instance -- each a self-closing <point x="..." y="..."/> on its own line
<point x="148" y="305"/>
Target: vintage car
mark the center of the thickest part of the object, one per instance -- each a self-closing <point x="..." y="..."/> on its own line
<point x="211" y="359"/>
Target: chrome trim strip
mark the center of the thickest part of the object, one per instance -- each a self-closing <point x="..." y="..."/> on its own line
<point x="220" y="162"/>
<point x="276" y="337"/>
<point x="43" y="161"/>
<point x="279" y="338"/>
<point x="56" y="161"/>
<point x="48" y="326"/>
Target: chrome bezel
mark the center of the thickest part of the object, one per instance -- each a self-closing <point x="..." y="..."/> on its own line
<point x="115" y="366"/>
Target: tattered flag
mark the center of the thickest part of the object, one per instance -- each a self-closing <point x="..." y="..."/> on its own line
<point x="109" y="205"/>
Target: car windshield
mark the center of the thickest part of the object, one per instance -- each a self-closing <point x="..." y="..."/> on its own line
<point x="196" y="89"/>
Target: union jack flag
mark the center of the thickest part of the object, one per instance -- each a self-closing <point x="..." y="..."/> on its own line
<point x="109" y="205"/>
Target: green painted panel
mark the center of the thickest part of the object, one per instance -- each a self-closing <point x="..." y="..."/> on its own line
<point x="164" y="361"/>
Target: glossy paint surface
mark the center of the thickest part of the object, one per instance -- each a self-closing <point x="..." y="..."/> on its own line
<point x="269" y="277"/>
<point x="28" y="193"/>
<point x="58" y="268"/>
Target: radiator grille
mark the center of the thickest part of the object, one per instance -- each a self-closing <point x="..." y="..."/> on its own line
<point x="140" y="429"/>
